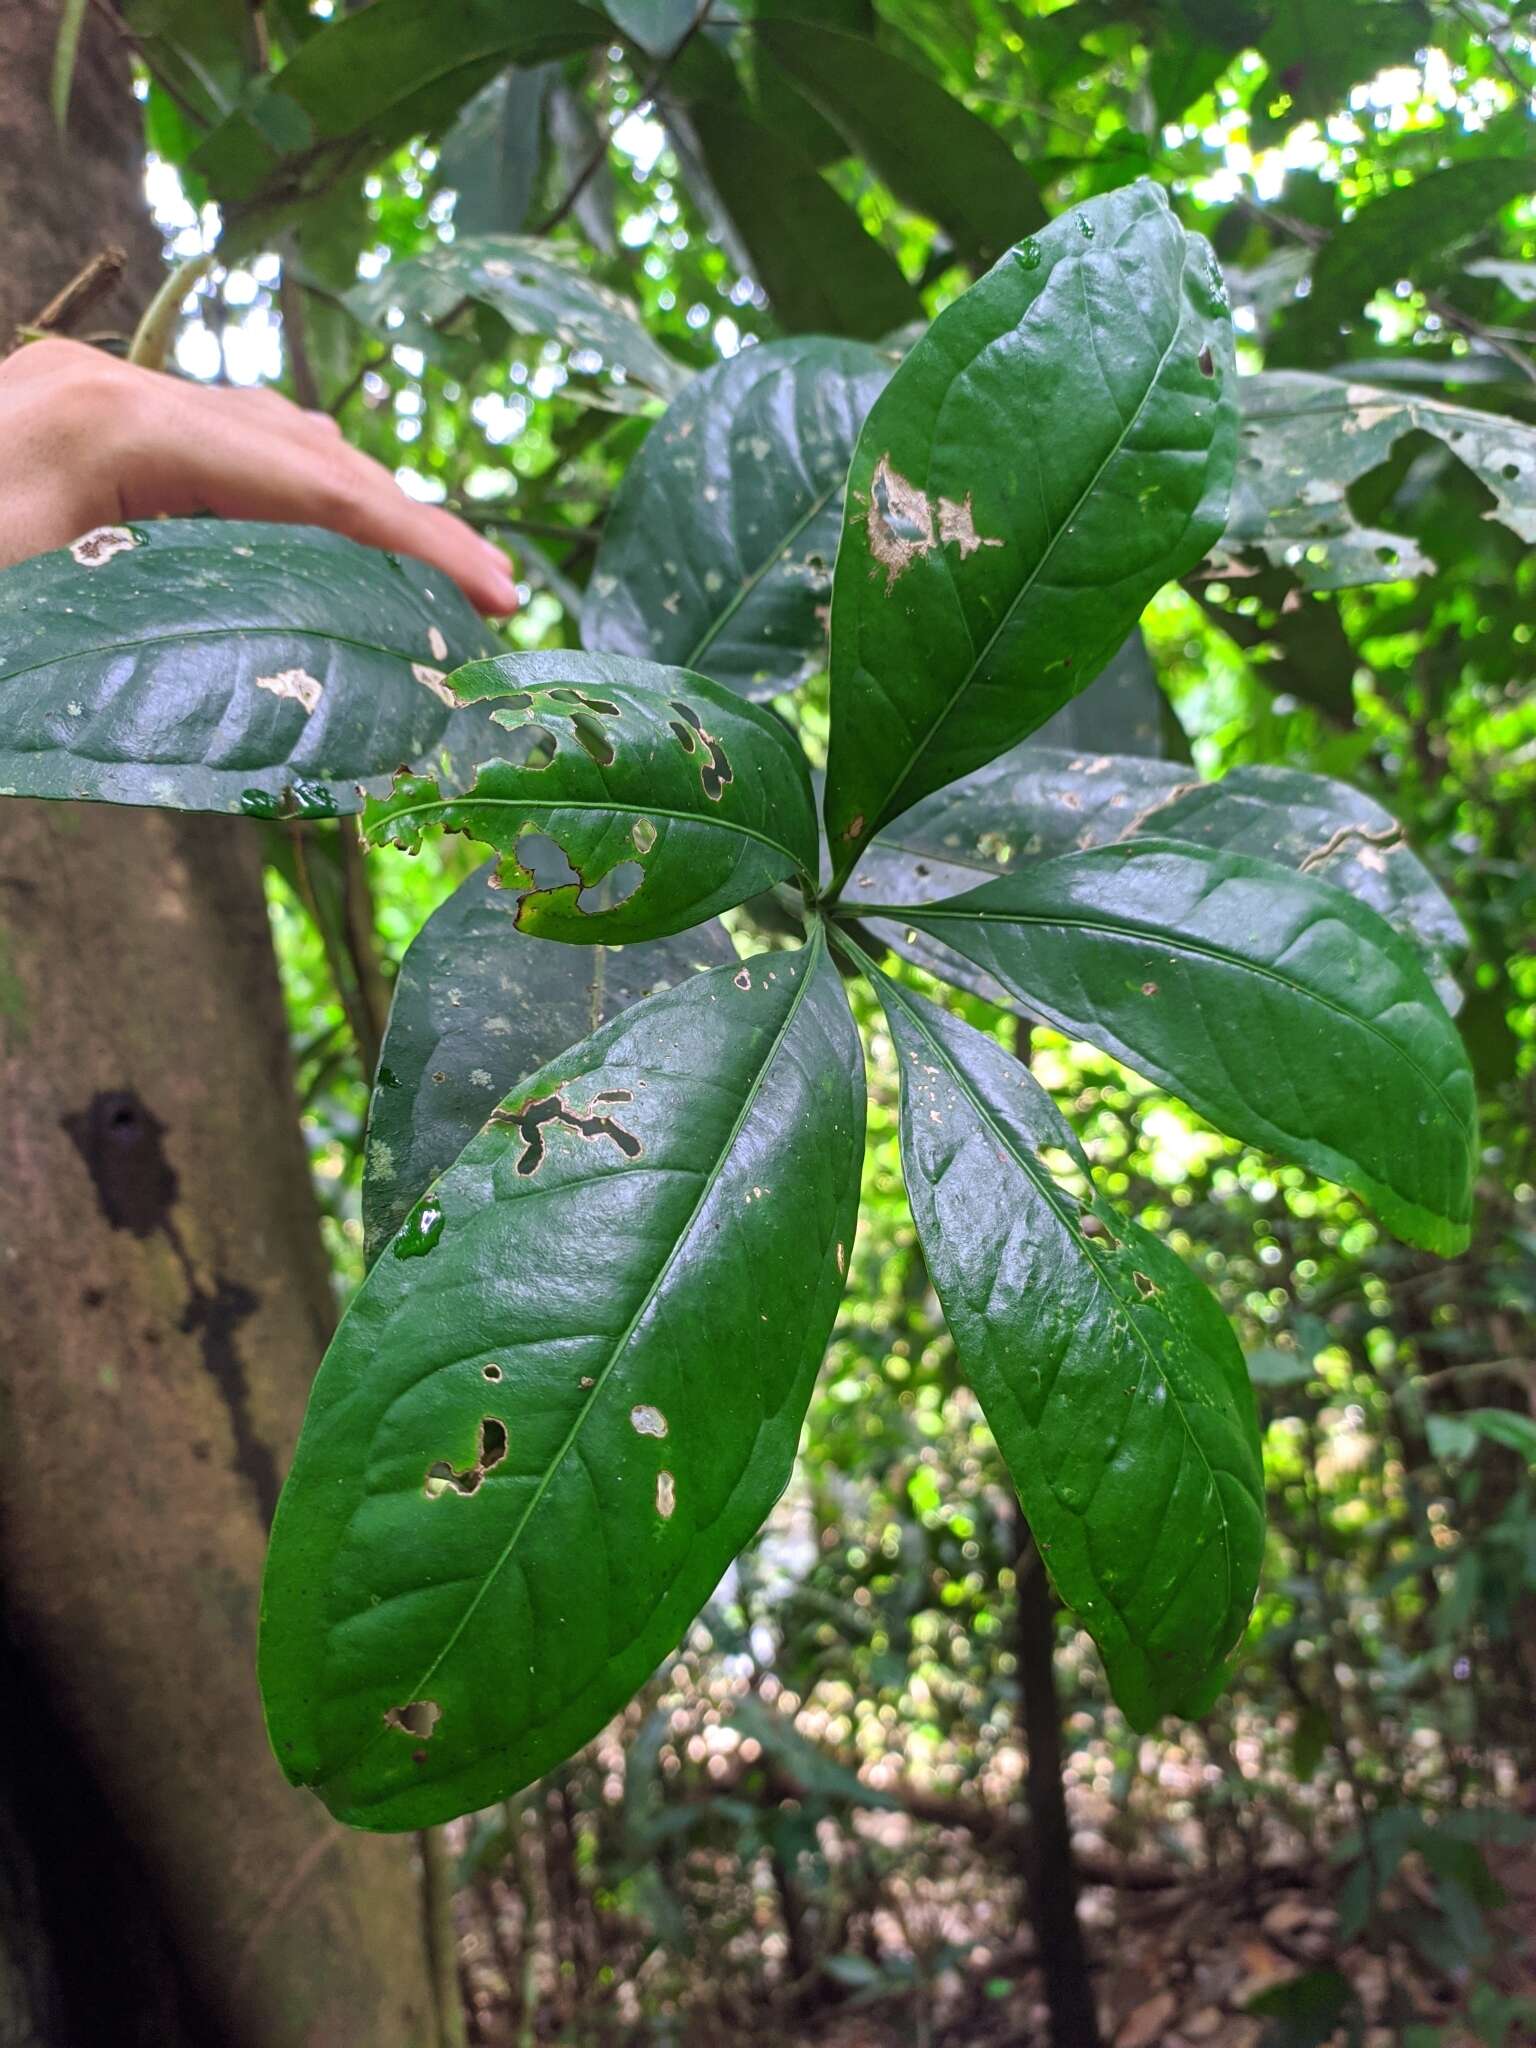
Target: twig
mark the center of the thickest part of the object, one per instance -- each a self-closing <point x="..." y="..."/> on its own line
<point x="599" y="156"/>
<point x="536" y="529"/>
<point x="337" y="959"/>
<point x="151" y="342"/>
<point x="290" y="300"/>
<point x="135" y="43"/>
<point x="360" y="935"/>
<point x="91" y="282"/>
<point x="1442" y="307"/>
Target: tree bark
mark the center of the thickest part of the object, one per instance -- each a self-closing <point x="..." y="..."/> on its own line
<point x="164" y="1299"/>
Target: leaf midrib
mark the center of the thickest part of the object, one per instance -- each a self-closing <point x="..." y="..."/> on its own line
<point x="1052" y="1196"/>
<point x="812" y="958"/>
<point x="1176" y="943"/>
<point x="978" y="660"/>
<point x="575" y="803"/>
<point x="221" y="632"/>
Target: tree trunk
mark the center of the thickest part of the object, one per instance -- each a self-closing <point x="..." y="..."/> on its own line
<point x="165" y="1299"/>
<point x="1050" y="1870"/>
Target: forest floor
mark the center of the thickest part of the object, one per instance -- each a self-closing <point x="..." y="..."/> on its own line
<point x="1178" y="1963"/>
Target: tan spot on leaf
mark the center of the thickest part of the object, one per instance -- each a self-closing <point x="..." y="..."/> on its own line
<point x="296" y="683"/>
<point x="666" y="1495"/>
<point x="434" y="680"/>
<point x="101" y="544"/>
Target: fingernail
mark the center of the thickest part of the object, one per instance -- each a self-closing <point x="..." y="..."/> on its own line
<point x="504" y="589"/>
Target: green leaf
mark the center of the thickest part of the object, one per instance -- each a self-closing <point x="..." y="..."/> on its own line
<point x="935" y="154"/>
<point x="477" y="1005"/>
<point x="1456" y="1435"/>
<point x="656" y="25"/>
<point x="631" y="800"/>
<point x="1276" y="1005"/>
<point x="1040" y="800"/>
<point x="717" y="552"/>
<point x="490" y="157"/>
<point x="809" y="250"/>
<point x="1110" y="1378"/>
<point x="565" y="1397"/>
<point x="214" y="665"/>
<point x="1396" y="234"/>
<point x="1056" y="446"/>
<point x="367" y="82"/>
<point x="535" y="290"/>
<point x="1306" y="439"/>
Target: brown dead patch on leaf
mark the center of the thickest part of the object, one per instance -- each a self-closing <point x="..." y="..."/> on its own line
<point x="904" y="524"/>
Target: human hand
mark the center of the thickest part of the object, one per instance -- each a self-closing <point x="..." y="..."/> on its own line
<point x="90" y="441"/>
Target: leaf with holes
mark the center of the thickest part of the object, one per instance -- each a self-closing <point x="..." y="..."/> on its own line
<point x="717" y="553"/>
<point x="535" y="290"/>
<point x="477" y="1005"/>
<point x="1306" y="439"/>
<point x="1275" y="1004"/>
<point x="1110" y="1377"/>
<point x="1037" y="801"/>
<point x="565" y="1397"/>
<point x="1057" y="445"/>
<point x="224" y="665"/>
<point x="632" y="800"/>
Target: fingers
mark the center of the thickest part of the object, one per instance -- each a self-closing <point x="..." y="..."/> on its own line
<point x="161" y="444"/>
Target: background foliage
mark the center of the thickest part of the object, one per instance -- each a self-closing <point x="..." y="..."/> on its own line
<point x="811" y="1820"/>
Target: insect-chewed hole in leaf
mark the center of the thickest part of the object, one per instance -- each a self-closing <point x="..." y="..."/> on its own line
<point x="643" y="833"/>
<point x="995" y="847"/>
<point x="717" y="771"/>
<point x="1144" y="1287"/>
<point x="614" y="888"/>
<point x="491" y="1372"/>
<point x="592" y="739"/>
<point x="1207" y="361"/>
<point x="418" y="1718"/>
<point x="1096" y="1228"/>
<point x="529" y="746"/>
<point x="544" y="862"/>
<point x="683" y="735"/>
<point x="441" y="1477"/>
<point x="530" y="1122"/>
<point x="566" y="693"/>
<point x="647" y="1421"/>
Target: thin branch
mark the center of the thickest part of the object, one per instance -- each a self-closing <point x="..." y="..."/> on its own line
<point x="91" y="282"/>
<point x="135" y="43"/>
<point x="290" y="300"/>
<point x="490" y="517"/>
<point x="648" y="91"/>
<point x="1442" y="307"/>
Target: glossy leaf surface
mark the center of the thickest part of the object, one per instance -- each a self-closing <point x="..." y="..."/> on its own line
<point x="1279" y="1007"/>
<point x="1111" y="1380"/>
<point x="631" y="801"/>
<point x="535" y="290"/>
<point x="477" y="1005"/>
<point x="717" y="553"/>
<point x="935" y="154"/>
<point x="490" y="157"/>
<point x="1038" y="801"/>
<point x="565" y="1397"/>
<point x="221" y="665"/>
<point x="1057" y="445"/>
<point x="1306" y="439"/>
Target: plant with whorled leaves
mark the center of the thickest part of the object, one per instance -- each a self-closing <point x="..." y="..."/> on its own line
<point x="613" y="1168"/>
